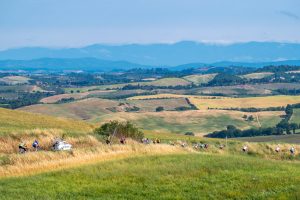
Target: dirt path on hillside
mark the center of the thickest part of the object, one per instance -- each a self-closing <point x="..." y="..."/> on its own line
<point x="257" y="119"/>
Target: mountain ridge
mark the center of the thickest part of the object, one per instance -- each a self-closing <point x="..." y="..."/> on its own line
<point x="94" y="64"/>
<point x="160" y="54"/>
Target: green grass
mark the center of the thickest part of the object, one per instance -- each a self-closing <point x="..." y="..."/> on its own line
<point x="201" y="125"/>
<point x="296" y="116"/>
<point x="187" y="176"/>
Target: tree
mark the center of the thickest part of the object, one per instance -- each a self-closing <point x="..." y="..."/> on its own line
<point x="189" y="133"/>
<point x="284" y="124"/>
<point x="294" y="126"/>
<point x="250" y="118"/>
<point x="119" y="129"/>
<point x="159" y="109"/>
<point x="289" y="111"/>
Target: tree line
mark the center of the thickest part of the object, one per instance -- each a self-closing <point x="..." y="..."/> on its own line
<point x="283" y="127"/>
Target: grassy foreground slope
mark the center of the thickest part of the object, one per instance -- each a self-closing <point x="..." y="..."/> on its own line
<point x="19" y="121"/>
<point x="187" y="176"/>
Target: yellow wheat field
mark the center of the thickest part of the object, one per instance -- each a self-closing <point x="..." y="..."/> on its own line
<point x="205" y="102"/>
<point x="257" y="102"/>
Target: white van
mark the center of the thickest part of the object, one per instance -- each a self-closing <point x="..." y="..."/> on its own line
<point x="61" y="145"/>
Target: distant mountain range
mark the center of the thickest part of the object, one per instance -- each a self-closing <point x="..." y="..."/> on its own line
<point x="60" y="64"/>
<point x="164" y="54"/>
<point x="94" y="64"/>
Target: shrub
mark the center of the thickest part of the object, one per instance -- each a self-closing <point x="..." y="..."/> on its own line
<point x="189" y="133"/>
<point x="119" y="129"/>
<point x="159" y="109"/>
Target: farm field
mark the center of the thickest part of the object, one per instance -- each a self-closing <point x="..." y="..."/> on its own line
<point x="198" y="121"/>
<point x="201" y="121"/>
<point x="150" y="105"/>
<point x="257" y="102"/>
<point x="14" y="80"/>
<point x="296" y="116"/>
<point x="200" y="79"/>
<point x="91" y="108"/>
<point x="205" y="102"/>
<point x="56" y="98"/>
<point x="292" y="139"/>
<point x="18" y="122"/>
<point x="181" y="176"/>
<point x="85" y="109"/>
<point x="257" y="75"/>
<point x="159" y="82"/>
<point x="247" y="89"/>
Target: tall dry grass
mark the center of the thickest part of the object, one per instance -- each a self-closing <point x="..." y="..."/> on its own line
<point x="9" y="143"/>
<point x="35" y="162"/>
<point x="88" y="149"/>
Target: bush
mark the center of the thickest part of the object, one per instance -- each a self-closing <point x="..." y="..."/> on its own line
<point x="189" y="133"/>
<point x="159" y="109"/>
<point x="119" y="129"/>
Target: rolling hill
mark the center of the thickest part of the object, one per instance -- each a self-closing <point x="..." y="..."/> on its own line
<point x="20" y="122"/>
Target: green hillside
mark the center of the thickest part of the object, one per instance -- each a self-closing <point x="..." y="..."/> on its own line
<point x="182" y="176"/>
<point x="200" y="79"/>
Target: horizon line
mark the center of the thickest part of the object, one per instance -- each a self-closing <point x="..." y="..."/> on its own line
<point x="206" y="42"/>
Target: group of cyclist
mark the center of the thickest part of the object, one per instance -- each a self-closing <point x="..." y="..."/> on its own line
<point x="277" y="149"/>
<point x="23" y="147"/>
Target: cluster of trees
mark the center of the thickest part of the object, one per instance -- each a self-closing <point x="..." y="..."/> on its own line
<point x="288" y="92"/>
<point x="252" y="109"/>
<point x="232" y="132"/>
<point x="153" y="87"/>
<point x="119" y="129"/>
<point x="65" y="100"/>
<point x="132" y="109"/>
<point x="192" y="106"/>
<point x="159" y="109"/>
<point x="278" y="69"/>
<point x="282" y="127"/>
<point x="226" y="80"/>
<point x="248" y="118"/>
<point x="183" y="108"/>
<point x="124" y="96"/>
<point x="24" y="99"/>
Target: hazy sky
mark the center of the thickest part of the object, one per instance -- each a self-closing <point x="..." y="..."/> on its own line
<point x="81" y="22"/>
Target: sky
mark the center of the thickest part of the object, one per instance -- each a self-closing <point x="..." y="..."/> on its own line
<point x="73" y="23"/>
